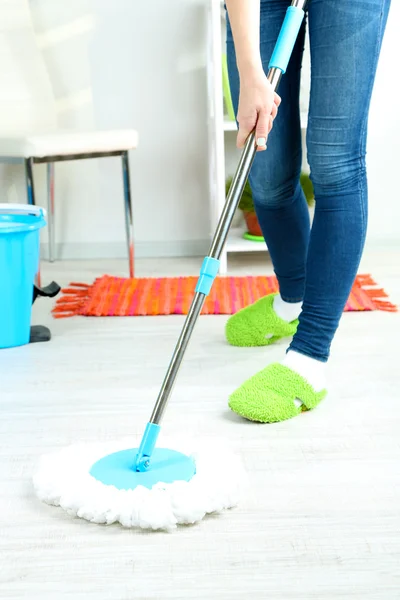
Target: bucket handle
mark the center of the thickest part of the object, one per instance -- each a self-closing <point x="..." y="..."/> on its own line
<point x="23" y="209"/>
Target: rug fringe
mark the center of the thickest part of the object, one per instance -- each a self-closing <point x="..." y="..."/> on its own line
<point x="72" y="300"/>
<point x="385" y="306"/>
<point x="365" y="280"/>
<point x="76" y="284"/>
<point x="375" y="294"/>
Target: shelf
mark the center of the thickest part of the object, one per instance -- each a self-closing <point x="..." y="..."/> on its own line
<point x="229" y="125"/>
<point x="237" y="243"/>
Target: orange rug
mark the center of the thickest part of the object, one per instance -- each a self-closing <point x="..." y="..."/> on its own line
<point x="118" y="297"/>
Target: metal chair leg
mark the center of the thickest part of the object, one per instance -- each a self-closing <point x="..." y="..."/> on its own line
<point x="50" y="210"/>
<point x="30" y="191"/>
<point x="128" y="212"/>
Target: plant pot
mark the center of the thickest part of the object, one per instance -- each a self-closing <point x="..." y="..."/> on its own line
<point x="252" y="224"/>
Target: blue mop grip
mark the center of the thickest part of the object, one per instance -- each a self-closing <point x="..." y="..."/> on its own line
<point x="286" y="39"/>
<point x="208" y="272"/>
<point x="147" y="446"/>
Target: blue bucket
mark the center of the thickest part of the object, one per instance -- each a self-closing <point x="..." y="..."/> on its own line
<point x="20" y="226"/>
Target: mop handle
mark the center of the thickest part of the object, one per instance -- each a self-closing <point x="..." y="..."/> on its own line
<point x="209" y="270"/>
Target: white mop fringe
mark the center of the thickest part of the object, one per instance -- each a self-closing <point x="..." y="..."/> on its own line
<point x="63" y="479"/>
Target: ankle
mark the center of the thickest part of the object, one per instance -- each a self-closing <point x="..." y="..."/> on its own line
<point x="313" y="370"/>
<point x="288" y="311"/>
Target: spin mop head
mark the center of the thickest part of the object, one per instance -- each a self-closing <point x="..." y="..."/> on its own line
<point x="100" y="483"/>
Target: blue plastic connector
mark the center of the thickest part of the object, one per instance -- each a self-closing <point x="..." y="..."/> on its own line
<point x="286" y="39"/>
<point x="146" y="447"/>
<point x="208" y="272"/>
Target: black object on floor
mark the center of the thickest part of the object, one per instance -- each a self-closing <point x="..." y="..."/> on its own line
<point x="50" y="291"/>
<point x="40" y="333"/>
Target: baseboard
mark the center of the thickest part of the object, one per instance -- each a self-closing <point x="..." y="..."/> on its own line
<point x="156" y="249"/>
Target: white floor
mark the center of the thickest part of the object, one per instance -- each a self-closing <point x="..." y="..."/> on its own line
<point x="322" y="517"/>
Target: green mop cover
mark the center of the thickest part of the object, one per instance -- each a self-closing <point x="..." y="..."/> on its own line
<point x="269" y="396"/>
<point x="251" y="325"/>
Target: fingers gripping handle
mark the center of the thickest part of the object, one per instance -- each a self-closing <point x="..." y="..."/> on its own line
<point x="287" y="38"/>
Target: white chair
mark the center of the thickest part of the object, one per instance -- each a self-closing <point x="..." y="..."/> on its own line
<point x="28" y="118"/>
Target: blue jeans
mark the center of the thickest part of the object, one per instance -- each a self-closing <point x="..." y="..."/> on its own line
<point x="318" y="266"/>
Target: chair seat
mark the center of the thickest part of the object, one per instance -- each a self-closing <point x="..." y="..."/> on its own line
<point x="64" y="143"/>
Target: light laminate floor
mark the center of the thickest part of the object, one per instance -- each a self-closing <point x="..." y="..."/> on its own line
<point x="322" y="516"/>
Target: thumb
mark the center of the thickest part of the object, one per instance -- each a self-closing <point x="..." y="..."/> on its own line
<point x="262" y="130"/>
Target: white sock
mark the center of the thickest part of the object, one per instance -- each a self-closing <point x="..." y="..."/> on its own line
<point x="288" y="311"/>
<point x="314" y="371"/>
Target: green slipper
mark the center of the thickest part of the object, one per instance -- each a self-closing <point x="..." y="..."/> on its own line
<point x="258" y="325"/>
<point x="269" y="396"/>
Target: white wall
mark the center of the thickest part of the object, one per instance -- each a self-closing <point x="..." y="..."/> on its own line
<point x="157" y="82"/>
<point x="141" y="64"/>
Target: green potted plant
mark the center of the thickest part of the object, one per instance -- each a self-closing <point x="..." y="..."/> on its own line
<point x="308" y="189"/>
<point x="246" y="205"/>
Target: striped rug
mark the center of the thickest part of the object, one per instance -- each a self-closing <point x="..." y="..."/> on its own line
<point x="118" y="297"/>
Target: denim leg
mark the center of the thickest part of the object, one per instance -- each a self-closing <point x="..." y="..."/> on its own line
<point x="274" y="179"/>
<point x="345" y="41"/>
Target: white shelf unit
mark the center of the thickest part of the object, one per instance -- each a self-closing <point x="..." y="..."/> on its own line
<point x="237" y="243"/>
<point x="229" y="125"/>
<point x="223" y="156"/>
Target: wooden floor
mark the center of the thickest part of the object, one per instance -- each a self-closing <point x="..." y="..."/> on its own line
<point x="322" y="516"/>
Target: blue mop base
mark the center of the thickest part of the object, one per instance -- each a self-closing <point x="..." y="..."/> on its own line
<point x="166" y="466"/>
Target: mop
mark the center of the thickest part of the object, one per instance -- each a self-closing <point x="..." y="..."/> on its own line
<point x="155" y="487"/>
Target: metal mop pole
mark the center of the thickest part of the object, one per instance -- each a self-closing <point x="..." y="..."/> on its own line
<point x="209" y="269"/>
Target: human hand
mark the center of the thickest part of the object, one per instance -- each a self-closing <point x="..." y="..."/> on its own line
<point x="258" y="107"/>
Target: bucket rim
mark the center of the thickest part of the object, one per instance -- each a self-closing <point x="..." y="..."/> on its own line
<point x="16" y="220"/>
<point x="9" y="208"/>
